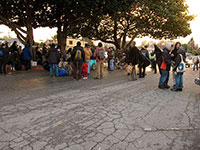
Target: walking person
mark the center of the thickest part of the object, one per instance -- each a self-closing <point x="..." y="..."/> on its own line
<point x="3" y="59"/>
<point x="99" y="54"/>
<point x="88" y="54"/>
<point x="132" y="58"/>
<point x="78" y="57"/>
<point x="111" y="59"/>
<point x="195" y="62"/>
<point x="27" y="57"/>
<point x="179" y="69"/>
<point x="142" y="64"/>
<point x="53" y="59"/>
<point x="165" y="67"/>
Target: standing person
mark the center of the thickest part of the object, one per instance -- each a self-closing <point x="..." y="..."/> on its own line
<point x="173" y="55"/>
<point x="153" y="61"/>
<point x="53" y="59"/>
<point x="78" y="57"/>
<point x="132" y="58"/>
<point x="179" y="60"/>
<point x="88" y="54"/>
<point x="27" y="57"/>
<point x="142" y="65"/>
<point x="165" y="67"/>
<point x="3" y="58"/>
<point x="195" y="62"/>
<point x="111" y="59"/>
<point x="99" y="54"/>
<point x="13" y="50"/>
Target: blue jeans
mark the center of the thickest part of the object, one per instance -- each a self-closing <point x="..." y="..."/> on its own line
<point x="164" y="78"/>
<point x="111" y="64"/>
<point x="179" y="81"/>
<point x="88" y="62"/>
<point x="196" y="66"/>
<point x="51" y="69"/>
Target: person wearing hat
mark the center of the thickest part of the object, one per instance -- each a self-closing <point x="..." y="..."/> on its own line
<point x="165" y="67"/>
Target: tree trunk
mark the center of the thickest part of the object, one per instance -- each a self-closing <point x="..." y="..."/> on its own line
<point x="61" y="37"/>
<point x="30" y="35"/>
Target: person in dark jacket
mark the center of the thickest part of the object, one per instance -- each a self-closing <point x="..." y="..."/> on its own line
<point x="178" y="75"/>
<point x="53" y="59"/>
<point x="78" y="57"/>
<point x="13" y="50"/>
<point x="164" y="78"/>
<point x="27" y="57"/>
<point x="142" y="64"/>
<point x="133" y="58"/>
<point x="3" y="58"/>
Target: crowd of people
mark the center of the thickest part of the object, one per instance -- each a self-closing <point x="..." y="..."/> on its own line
<point x="14" y="57"/>
<point x="78" y="59"/>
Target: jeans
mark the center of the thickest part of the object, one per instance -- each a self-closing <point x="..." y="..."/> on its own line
<point x="164" y="78"/>
<point x="51" y="69"/>
<point x="88" y="62"/>
<point x="196" y="66"/>
<point x="179" y="81"/>
<point x="111" y="65"/>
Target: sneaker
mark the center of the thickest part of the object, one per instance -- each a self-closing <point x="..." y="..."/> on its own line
<point x="96" y="78"/>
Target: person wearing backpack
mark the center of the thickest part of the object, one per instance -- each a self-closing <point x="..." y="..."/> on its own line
<point x="195" y="62"/>
<point x="99" y="54"/>
<point x="3" y="59"/>
<point x="53" y="59"/>
<point x="78" y="57"/>
<point x="179" y="69"/>
<point x="111" y="59"/>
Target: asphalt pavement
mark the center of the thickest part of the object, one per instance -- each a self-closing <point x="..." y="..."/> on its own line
<point x="38" y="112"/>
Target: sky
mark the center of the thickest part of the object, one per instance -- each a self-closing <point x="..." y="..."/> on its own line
<point x="41" y="34"/>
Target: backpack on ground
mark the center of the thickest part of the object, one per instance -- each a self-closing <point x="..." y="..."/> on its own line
<point x="1" y="52"/>
<point x="181" y="66"/>
<point x="101" y="55"/>
<point x="78" y="55"/>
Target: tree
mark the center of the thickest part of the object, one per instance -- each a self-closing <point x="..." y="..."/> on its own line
<point x="66" y="15"/>
<point x="157" y="19"/>
<point x="19" y="16"/>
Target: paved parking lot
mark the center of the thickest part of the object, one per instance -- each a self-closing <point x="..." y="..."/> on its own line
<point x="42" y="113"/>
